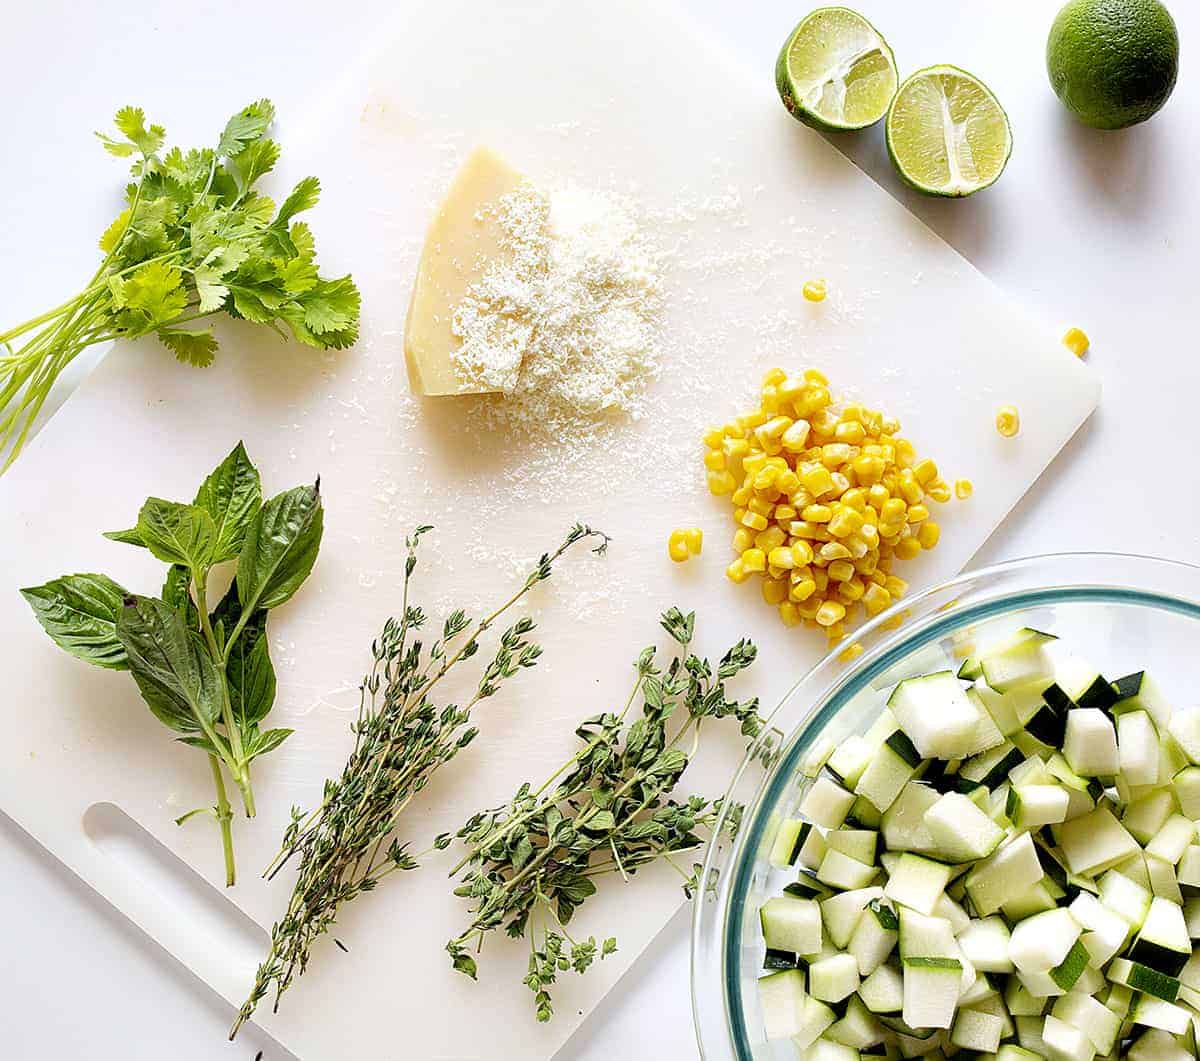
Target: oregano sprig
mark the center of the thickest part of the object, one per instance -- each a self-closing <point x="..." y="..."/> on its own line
<point x="349" y="844"/>
<point x="609" y="809"/>
<point x="205" y="674"/>
<point x="195" y="239"/>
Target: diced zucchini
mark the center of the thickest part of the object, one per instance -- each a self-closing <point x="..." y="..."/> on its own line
<point x="975" y="1030"/>
<point x="1090" y="743"/>
<point x="826" y="803"/>
<point x="1012" y="869"/>
<point x="903" y="826"/>
<point x="917" y="882"/>
<point x="1125" y="897"/>
<point x="816" y="1018"/>
<point x="850" y="759"/>
<point x="937" y="715"/>
<point x="1042" y="942"/>
<point x="841" y="871"/>
<point x="1163" y="942"/>
<point x="841" y="913"/>
<point x="1137" y="743"/>
<point x="833" y="978"/>
<point x="1100" y="1024"/>
<point x="961" y="831"/>
<point x="1020" y="661"/>
<point x="1185" y="728"/>
<point x="788" y="841"/>
<point x="931" y="989"/>
<point x="782" y="997"/>
<point x="778" y="959"/>
<point x="1095" y="842"/>
<point x="1154" y="1012"/>
<point x="1146" y="816"/>
<point x="791" y="924"/>
<point x="883" y="990"/>
<point x="1139" y="692"/>
<point x="1138" y="977"/>
<point x="991" y="768"/>
<point x="859" y="844"/>
<point x="874" y="937"/>
<point x="985" y="944"/>
<point x="1065" y="1042"/>
<point x="1032" y="806"/>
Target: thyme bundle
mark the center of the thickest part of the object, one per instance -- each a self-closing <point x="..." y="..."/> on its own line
<point x="347" y="845"/>
<point x="533" y="861"/>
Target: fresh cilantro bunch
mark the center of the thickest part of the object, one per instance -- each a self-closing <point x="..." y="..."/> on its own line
<point x="195" y="239"/>
<point x="205" y="674"/>
<point x="609" y="809"/>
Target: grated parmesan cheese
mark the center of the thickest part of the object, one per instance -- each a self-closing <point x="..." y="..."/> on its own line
<point x="566" y="325"/>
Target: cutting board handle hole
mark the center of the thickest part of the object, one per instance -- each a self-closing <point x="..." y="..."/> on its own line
<point x="160" y="878"/>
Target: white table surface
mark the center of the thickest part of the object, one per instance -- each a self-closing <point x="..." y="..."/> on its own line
<point x="1100" y="230"/>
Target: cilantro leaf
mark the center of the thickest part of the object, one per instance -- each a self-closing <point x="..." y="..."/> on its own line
<point x="192" y="347"/>
<point x="255" y="160"/>
<point x="303" y="197"/>
<point x="248" y="124"/>
<point x="331" y="305"/>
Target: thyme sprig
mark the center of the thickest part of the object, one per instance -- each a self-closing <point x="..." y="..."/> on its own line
<point x="348" y="844"/>
<point x="532" y="862"/>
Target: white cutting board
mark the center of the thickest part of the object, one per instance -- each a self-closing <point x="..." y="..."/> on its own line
<point x="616" y="94"/>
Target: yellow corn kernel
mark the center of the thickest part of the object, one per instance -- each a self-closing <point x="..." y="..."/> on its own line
<point x="1008" y="420"/>
<point x="753" y="463"/>
<point x="856" y="546"/>
<point x="1076" y="341"/>
<point x="840" y="571"/>
<point x="925" y="471"/>
<point x="831" y="551"/>
<point x="773" y="376"/>
<point x="694" y="537"/>
<point x="898" y="620"/>
<point x="741" y="496"/>
<point x="835" y="454"/>
<point x="750" y="421"/>
<point x="835" y="633"/>
<point x="736" y="572"/>
<point x="939" y="490"/>
<point x="908" y="548"/>
<point x="754" y="560"/>
<point x="815" y="375"/>
<point x="761" y="507"/>
<point x="677" y="547"/>
<point x="789" y="483"/>
<point x="754" y="521"/>
<point x="856" y="499"/>
<point x="714" y="460"/>
<point x="869" y="533"/>
<point x="802" y="554"/>
<point x="897" y="587"/>
<point x="789" y="614"/>
<point x="735" y="448"/>
<point x="840" y="484"/>
<point x="963" y="488"/>
<point x="720" y="483"/>
<point x="795" y="438"/>
<point x="781" y="557"/>
<point x="814" y="290"/>
<point x="817" y="513"/>
<point x="771" y="538"/>
<point x="851" y="652"/>
<point x="852" y="589"/>
<point x="868" y="470"/>
<point x="714" y="438"/>
<point x="850" y="431"/>
<point x="733" y="429"/>
<point x="844" y="522"/>
<point x="803" y="590"/>
<point x="929" y="534"/>
<point x="876" y="599"/>
<point x="821" y="578"/>
<point x="816" y="479"/>
<point x="909" y="488"/>
<point x="917" y="513"/>
<point x="774" y="591"/>
<point x="824" y="423"/>
<point x="830" y="612"/>
<point x="784" y="513"/>
<point x="743" y="539"/>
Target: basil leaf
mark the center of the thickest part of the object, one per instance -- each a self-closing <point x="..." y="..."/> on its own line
<point x="269" y="740"/>
<point x="178" y="679"/>
<point x="281" y="547"/>
<point x="127" y="537"/>
<point x="178" y="534"/>
<point x="251" y="680"/>
<point x="79" y="612"/>
<point x="232" y="495"/>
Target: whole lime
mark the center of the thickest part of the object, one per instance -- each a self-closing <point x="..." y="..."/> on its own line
<point x="1113" y="63"/>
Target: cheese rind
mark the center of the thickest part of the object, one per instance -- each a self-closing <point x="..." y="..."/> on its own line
<point x="463" y="240"/>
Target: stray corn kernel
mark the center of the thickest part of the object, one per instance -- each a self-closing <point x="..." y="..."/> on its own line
<point x="827" y="498"/>
<point x="684" y="542"/>
<point x="1008" y="420"/>
<point x="851" y="651"/>
<point x="963" y="488"/>
<point x="815" y="290"/>
<point x="1076" y="341"/>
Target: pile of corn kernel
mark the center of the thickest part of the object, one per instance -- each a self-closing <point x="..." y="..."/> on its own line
<point x="826" y="497"/>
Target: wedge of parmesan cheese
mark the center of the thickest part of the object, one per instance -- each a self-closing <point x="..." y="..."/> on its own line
<point x="465" y="238"/>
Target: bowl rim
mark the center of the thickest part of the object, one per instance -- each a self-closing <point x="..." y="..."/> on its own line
<point x="838" y="674"/>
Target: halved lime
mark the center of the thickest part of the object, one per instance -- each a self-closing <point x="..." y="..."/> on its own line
<point x="835" y="71"/>
<point x="947" y="134"/>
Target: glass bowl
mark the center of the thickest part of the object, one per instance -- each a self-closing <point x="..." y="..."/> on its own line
<point x="1125" y="613"/>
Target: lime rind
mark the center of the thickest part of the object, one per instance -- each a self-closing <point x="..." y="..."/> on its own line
<point x="835" y="71"/>
<point x="947" y="134"/>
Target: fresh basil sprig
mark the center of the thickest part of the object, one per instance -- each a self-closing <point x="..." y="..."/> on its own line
<point x="205" y="674"/>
